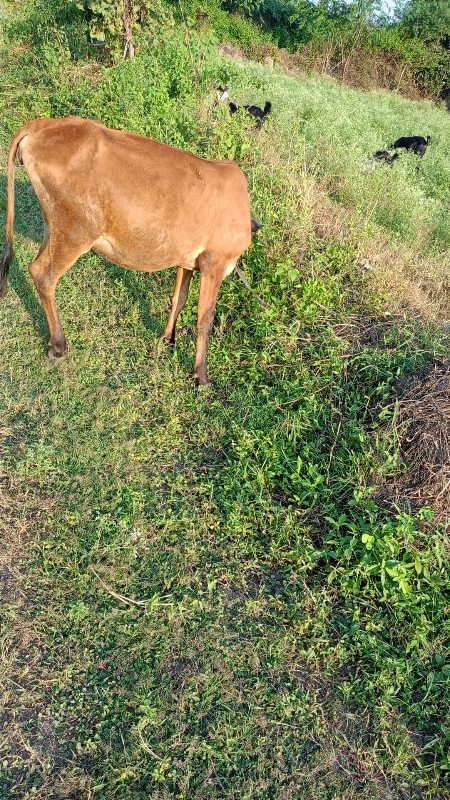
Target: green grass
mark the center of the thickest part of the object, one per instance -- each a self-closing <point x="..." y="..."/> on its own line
<point x="339" y="129"/>
<point x="295" y="639"/>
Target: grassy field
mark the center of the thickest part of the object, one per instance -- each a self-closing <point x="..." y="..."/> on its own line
<point x="293" y="642"/>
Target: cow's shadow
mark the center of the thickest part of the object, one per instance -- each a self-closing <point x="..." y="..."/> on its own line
<point x="28" y="223"/>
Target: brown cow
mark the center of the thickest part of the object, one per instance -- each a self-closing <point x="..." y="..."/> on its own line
<point x="141" y="204"/>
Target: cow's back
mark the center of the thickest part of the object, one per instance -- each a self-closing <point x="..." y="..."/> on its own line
<point x="142" y="203"/>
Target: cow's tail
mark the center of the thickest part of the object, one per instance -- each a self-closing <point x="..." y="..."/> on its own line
<point x="7" y="254"/>
<point x="255" y="227"/>
<point x="247" y="286"/>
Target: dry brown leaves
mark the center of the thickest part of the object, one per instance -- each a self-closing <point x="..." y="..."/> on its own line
<point x="423" y="421"/>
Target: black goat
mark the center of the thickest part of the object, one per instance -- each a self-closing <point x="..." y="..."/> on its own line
<point x="417" y="144"/>
<point x="255" y="111"/>
<point x="383" y="155"/>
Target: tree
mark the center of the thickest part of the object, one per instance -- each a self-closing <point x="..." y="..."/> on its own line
<point x="115" y="22"/>
<point x="425" y="20"/>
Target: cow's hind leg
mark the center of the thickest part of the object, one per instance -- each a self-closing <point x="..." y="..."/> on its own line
<point x="179" y="297"/>
<point x="212" y="272"/>
<point x="45" y="270"/>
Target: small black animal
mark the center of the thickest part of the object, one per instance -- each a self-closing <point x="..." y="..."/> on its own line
<point x="417" y="144"/>
<point x="255" y="111"/>
<point x="383" y="155"/>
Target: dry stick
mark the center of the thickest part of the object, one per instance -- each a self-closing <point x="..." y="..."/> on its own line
<point x="446" y="487"/>
<point x="129" y="600"/>
<point x="127" y="17"/>
<point x="332" y="448"/>
<point x="400" y="78"/>
<point x="247" y="285"/>
<point x="324" y="308"/>
<point x="147" y="749"/>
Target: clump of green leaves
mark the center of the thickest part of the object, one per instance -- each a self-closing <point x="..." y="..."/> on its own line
<point x="117" y="23"/>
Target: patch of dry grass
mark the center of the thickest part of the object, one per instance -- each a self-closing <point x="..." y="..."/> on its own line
<point x="422" y="424"/>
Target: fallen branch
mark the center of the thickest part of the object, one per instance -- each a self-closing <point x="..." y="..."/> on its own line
<point x="128" y="600"/>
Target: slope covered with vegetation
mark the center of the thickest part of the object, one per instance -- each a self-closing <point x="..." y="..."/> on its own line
<point x="366" y="43"/>
<point x="294" y="638"/>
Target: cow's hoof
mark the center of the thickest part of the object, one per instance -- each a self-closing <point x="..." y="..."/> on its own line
<point x="57" y="350"/>
<point x="203" y="383"/>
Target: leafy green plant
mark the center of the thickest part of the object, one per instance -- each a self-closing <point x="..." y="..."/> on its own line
<point x="117" y="23"/>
